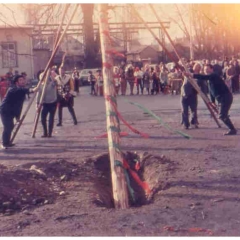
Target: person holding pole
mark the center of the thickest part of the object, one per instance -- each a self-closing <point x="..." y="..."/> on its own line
<point x="189" y="100"/>
<point x="66" y="94"/>
<point x="49" y="104"/>
<point x="221" y="92"/>
<point x="11" y="108"/>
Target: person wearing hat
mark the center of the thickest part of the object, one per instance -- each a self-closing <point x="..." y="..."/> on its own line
<point x="11" y="107"/>
<point x="66" y="94"/>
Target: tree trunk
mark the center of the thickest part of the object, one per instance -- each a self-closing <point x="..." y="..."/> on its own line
<point x="88" y="33"/>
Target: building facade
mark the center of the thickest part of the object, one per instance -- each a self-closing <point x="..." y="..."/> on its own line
<point x="16" y="50"/>
<point x="143" y="52"/>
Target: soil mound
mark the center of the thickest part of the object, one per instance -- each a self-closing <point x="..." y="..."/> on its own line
<point x="31" y="185"/>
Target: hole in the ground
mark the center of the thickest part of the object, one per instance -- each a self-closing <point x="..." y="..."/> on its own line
<point x="153" y="170"/>
<point x="32" y="185"/>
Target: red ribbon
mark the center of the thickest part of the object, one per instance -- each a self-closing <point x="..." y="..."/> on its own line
<point x="105" y="135"/>
<point x="107" y="34"/>
<point x="125" y="122"/>
<point x="107" y="65"/>
<point x="135" y="176"/>
<point x="190" y="230"/>
<point x="137" y="166"/>
<point x="114" y="52"/>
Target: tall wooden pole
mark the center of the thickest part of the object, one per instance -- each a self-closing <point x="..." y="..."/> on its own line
<point x="119" y="186"/>
<point x="19" y="124"/>
<point x="192" y="81"/>
<point x="47" y="67"/>
<point x="190" y="32"/>
<point x="170" y="56"/>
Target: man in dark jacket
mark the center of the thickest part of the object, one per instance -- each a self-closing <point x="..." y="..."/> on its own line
<point x="221" y="92"/>
<point x="11" y="108"/>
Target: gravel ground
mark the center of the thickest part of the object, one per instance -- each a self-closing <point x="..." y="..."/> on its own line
<point x="201" y="196"/>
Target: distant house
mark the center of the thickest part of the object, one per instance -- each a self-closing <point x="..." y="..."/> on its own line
<point x="42" y="48"/>
<point x="137" y="53"/>
<point x="75" y="53"/>
<point x="16" y="49"/>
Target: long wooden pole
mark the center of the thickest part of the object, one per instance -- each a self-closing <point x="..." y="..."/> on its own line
<point x="46" y="69"/>
<point x="119" y="186"/>
<point x="192" y="81"/>
<point x="61" y="25"/>
<point x="190" y="31"/>
<point x="19" y="124"/>
<point x="153" y="34"/>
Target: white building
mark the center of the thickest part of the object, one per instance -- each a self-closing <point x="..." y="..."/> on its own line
<point x="16" y="49"/>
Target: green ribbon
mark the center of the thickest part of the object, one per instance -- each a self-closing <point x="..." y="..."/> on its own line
<point x="114" y="129"/>
<point x="111" y="114"/>
<point x="117" y="163"/>
<point x="116" y="146"/>
<point x="159" y="120"/>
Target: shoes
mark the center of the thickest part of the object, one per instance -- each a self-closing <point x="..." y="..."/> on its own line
<point x="49" y="135"/>
<point x="75" y="123"/>
<point x="44" y="136"/>
<point x="3" y="146"/>
<point x="195" y="125"/>
<point x="59" y="125"/>
<point x="231" y="132"/>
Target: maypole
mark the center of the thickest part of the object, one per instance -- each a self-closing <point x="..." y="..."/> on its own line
<point x="119" y="185"/>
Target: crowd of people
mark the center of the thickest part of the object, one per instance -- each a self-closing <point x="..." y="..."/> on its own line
<point x="220" y="81"/>
<point x="147" y="80"/>
<point x="160" y="79"/>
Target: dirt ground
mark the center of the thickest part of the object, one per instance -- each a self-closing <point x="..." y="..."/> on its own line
<point x="50" y="187"/>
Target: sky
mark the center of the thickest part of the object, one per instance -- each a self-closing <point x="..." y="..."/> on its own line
<point x="13" y="14"/>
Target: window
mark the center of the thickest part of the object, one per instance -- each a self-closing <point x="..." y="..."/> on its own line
<point x="9" y="54"/>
